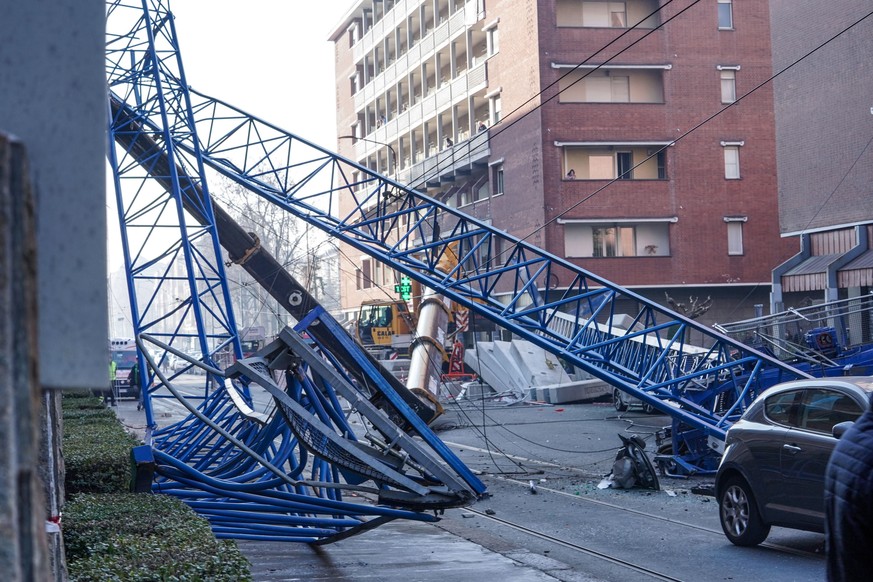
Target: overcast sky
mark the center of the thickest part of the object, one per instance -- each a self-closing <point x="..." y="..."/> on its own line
<point x="270" y="58"/>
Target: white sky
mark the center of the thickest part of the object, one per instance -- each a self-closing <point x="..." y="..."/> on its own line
<point x="270" y="58"/>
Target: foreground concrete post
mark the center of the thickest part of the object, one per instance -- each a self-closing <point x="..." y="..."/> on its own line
<point x="23" y="545"/>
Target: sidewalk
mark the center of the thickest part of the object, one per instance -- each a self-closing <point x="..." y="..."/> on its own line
<point x="400" y="551"/>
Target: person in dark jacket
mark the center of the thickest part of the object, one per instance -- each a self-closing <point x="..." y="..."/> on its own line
<point x="135" y="386"/>
<point x="849" y="503"/>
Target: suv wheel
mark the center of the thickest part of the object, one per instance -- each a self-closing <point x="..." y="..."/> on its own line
<point x="617" y="401"/>
<point x="738" y="514"/>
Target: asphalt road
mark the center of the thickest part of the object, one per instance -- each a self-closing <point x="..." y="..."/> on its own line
<point x="573" y="528"/>
<point x="606" y="533"/>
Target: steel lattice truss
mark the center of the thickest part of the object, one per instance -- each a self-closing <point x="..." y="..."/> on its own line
<point x="279" y="473"/>
<point x="175" y="273"/>
<point x="703" y="387"/>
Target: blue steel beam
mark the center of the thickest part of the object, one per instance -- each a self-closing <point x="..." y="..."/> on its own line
<point x="244" y="471"/>
<point x="175" y="276"/>
<point x="704" y="388"/>
<point x="503" y="278"/>
<point x="499" y="276"/>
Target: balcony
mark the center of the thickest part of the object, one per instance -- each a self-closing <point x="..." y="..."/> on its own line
<point x="448" y="164"/>
<point x="448" y="29"/>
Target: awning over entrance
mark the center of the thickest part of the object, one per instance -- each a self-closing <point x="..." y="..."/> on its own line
<point x="810" y="275"/>
<point x="858" y="272"/>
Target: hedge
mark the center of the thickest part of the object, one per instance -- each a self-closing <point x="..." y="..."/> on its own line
<point x="143" y="537"/>
<point x="96" y="448"/>
<point x="111" y="534"/>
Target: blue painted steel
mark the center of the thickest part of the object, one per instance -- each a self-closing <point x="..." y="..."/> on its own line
<point x="379" y="382"/>
<point x="704" y="387"/>
<point x="240" y="497"/>
<point x="175" y="276"/>
<point x="250" y="475"/>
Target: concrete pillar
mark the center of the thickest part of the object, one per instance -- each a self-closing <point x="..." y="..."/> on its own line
<point x="54" y="102"/>
<point x="23" y="547"/>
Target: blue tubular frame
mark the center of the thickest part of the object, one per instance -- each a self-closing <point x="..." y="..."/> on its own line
<point x="243" y="470"/>
<point x="247" y="475"/>
<point x="703" y="388"/>
<point x="175" y="276"/>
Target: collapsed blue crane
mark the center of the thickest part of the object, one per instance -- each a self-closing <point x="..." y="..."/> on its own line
<point x="704" y="388"/>
<point x="281" y="473"/>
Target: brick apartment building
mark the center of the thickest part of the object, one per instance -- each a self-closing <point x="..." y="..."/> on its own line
<point x="824" y="120"/>
<point x="589" y="128"/>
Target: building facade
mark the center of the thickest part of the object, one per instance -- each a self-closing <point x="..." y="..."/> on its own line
<point x="824" y="118"/>
<point x="614" y="134"/>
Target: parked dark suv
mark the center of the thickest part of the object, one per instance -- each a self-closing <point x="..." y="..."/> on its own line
<point x="772" y="470"/>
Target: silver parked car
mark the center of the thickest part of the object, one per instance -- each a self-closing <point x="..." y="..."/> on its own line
<point x="623" y="401"/>
<point x="772" y="470"/>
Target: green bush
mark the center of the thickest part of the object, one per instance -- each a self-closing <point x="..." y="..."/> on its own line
<point x="145" y="537"/>
<point x="110" y="534"/>
<point x="96" y="450"/>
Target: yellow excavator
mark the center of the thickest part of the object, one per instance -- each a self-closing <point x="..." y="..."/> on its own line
<point x="385" y="325"/>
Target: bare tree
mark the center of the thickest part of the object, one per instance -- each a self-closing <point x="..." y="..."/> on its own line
<point x="693" y="310"/>
<point x="277" y="230"/>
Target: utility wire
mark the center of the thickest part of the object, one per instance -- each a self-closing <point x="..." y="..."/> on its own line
<point x="504" y="127"/>
<point x="708" y="119"/>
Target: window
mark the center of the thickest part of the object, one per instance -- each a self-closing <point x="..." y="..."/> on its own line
<point x="604" y="14"/>
<point x="614" y="89"/>
<point x="611" y="85"/>
<point x="364" y="275"/>
<point x="735" y="236"/>
<point x="725" y="14"/>
<point x="493" y="40"/>
<point x="781" y="408"/>
<point x="354" y="32"/>
<point x="600" y="167"/>
<point x="822" y="409"/>
<point x="464" y="197"/>
<point x="497" y="178"/>
<point x="585" y="239"/>
<point x="815" y="409"/>
<point x="732" y="159"/>
<point x="615" y="241"/>
<point x="379" y="275"/>
<point x="728" y="85"/>
<point x="731" y="162"/>
<point x="494" y="107"/>
<point x="482" y="192"/>
<point x="625" y="165"/>
<point x="602" y="162"/>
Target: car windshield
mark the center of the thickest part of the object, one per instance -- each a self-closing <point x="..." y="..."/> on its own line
<point x="124" y="359"/>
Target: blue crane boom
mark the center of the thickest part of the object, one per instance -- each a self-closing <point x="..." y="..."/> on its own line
<point x="704" y="388"/>
<point x="240" y="468"/>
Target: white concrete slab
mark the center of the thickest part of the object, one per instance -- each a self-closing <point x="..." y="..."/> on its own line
<point x="540" y="368"/>
<point x="500" y="374"/>
<point x="571" y="392"/>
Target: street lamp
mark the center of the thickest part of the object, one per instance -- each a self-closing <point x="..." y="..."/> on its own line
<point x="390" y="149"/>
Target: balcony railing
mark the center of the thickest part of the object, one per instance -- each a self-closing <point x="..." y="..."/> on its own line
<point x="445" y="164"/>
<point x="427" y="107"/>
<point x="448" y="29"/>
